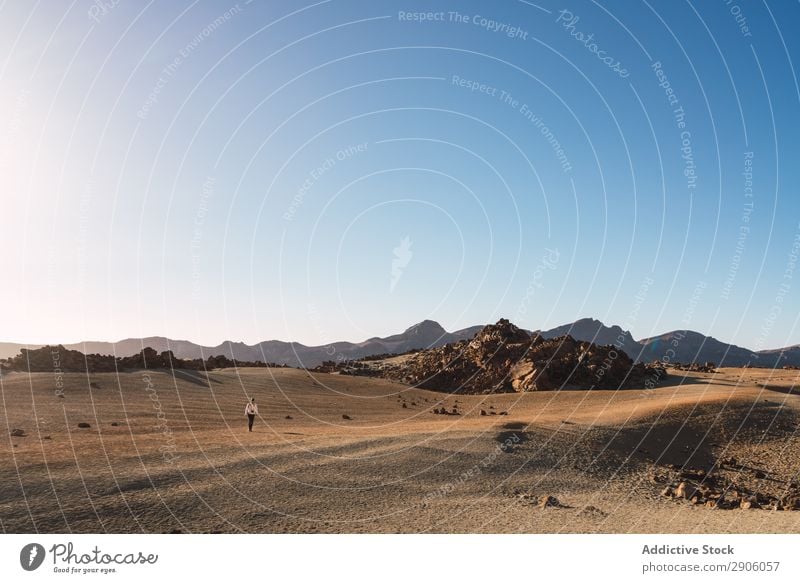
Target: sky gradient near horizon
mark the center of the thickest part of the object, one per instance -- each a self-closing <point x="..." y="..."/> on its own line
<point x="338" y="170"/>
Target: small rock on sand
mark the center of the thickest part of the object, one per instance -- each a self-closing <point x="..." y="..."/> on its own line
<point x="593" y="511"/>
<point x="748" y="503"/>
<point x="346" y="417"/>
<point x="685" y="490"/>
<point x="18" y="433"/>
<point x="549" y="502"/>
<point x="83" y="426"/>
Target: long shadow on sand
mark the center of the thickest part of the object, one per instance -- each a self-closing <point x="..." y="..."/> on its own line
<point x="194" y="377"/>
<point x="513" y="436"/>
<point x="793" y="390"/>
<point x="689" y="437"/>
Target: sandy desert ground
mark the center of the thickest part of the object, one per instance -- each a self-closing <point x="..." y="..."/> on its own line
<point x="171" y="453"/>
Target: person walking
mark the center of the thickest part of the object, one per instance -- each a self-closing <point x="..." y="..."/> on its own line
<point x="251" y="410"/>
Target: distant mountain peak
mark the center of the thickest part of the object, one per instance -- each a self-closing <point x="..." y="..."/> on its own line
<point x="426" y="327"/>
<point x="592" y="330"/>
<point x="594" y="322"/>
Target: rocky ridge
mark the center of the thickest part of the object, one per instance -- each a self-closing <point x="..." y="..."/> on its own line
<point x="504" y="358"/>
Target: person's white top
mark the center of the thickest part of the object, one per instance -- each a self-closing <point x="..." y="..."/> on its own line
<point x="251" y="409"/>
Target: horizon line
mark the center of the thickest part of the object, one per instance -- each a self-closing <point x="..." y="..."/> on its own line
<point x="229" y="341"/>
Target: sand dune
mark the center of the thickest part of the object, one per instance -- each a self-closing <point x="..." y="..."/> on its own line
<point x="171" y="452"/>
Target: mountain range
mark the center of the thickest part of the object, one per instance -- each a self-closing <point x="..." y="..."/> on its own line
<point x="426" y="334"/>
<point x="684" y="346"/>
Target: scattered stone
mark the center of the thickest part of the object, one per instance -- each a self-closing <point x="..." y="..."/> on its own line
<point x="695" y="367"/>
<point x="747" y="503"/>
<point x="593" y="511"/>
<point x="717" y="492"/>
<point x="83" y="426"/>
<point x="94" y="385"/>
<point x="549" y="502"/>
<point x="47" y="437"/>
<point x="288" y="417"/>
<point x="114" y="424"/>
<point x="347" y="417"/>
<point x="483" y="413"/>
<point x="503" y="413"/>
<point x="405" y="406"/>
<point x="444" y="411"/>
<point x="760" y="475"/>
<point x="18" y="433"/>
<point x="790" y="502"/>
<point x="684" y="490"/>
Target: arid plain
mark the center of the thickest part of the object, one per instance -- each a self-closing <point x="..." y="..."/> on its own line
<point x="170" y="452"/>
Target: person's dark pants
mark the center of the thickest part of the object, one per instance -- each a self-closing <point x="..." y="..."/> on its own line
<point x="250" y="419"/>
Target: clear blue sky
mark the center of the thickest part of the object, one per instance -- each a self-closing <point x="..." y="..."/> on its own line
<point x="341" y="169"/>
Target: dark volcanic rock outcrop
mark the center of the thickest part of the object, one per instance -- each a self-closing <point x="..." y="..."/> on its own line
<point x="58" y="359"/>
<point x="504" y="358"/>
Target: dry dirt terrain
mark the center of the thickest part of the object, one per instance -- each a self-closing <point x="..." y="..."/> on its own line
<point x="170" y="452"/>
